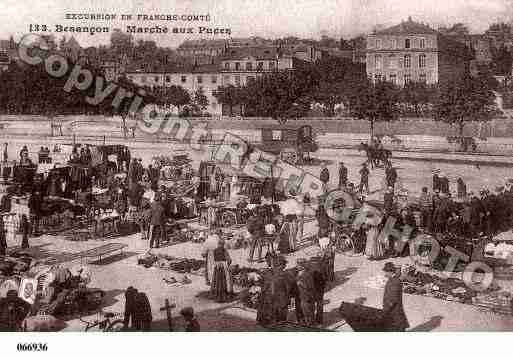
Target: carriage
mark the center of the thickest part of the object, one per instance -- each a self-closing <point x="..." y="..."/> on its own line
<point x="292" y="144"/>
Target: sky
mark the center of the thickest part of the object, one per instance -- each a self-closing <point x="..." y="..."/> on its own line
<point x="264" y="18"/>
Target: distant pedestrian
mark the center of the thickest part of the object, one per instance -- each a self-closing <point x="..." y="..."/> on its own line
<point x="325" y="177"/>
<point x="342" y="176"/>
<point x="157" y="231"/>
<point x="25" y="229"/>
<point x="5" y="152"/>
<point x="3" y="242"/>
<point x="462" y="188"/>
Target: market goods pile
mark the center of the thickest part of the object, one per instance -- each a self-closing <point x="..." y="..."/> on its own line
<point x="49" y="292"/>
<point x="180" y="265"/>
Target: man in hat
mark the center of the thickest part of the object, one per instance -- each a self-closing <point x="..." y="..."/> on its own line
<point x="3" y="241"/>
<point x="256" y="228"/>
<point x="130" y="308"/>
<point x="390" y="175"/>
<point x="311" y="284"/>
<point x="5" y="152"/>
<point x="441" y="214"/>
<point x="191" y="324"/>
<point x="394" y="318"/>
<point x="342" y="176"/>
<point x="325" y="176"/>
<point x="426" y="208"/>
<point x="436" y="180"/>
<point x="157" y="222"/>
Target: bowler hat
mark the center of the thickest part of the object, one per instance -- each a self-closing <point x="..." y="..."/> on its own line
<point x="389" y="267"/>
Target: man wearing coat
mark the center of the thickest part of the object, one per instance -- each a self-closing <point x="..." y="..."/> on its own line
<point x="394" y="318"/>
<point x="342" y="176"/>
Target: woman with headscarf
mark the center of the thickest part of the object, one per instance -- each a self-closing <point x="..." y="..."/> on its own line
<point x="222" y="285"/>
<point x="210" y="245"/>
<point x="291" y="209"/>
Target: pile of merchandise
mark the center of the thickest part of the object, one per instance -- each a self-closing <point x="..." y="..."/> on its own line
<point x="431" y="285"/>
<point x="180" y="265"/>
<point x="54" y="290"/>
<point x="499" y="302"/>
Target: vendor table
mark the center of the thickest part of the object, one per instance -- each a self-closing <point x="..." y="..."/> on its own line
<point x="102" y="251"/>
<point x="106" y="225"/>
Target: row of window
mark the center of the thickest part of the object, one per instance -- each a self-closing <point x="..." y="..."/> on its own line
<point x="249" y="65"/>
<point x="405" y="61"/>
<point x="406" y="78"/>
<point x="200" y="79"/>
<point x="406" y="44"/>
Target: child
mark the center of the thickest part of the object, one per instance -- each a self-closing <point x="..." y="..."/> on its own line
<point x="191" y="324"/>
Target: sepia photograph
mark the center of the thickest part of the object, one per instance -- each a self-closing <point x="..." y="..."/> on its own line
<point x="255" y="166"/>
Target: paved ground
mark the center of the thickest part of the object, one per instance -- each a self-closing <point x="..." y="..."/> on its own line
<point x="116" y="274"/>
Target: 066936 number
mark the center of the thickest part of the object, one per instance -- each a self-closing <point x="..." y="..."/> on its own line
<point x="32" y="347"/>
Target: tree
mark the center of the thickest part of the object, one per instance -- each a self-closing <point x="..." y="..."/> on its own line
<point x="415" y="97"/>
<point x="374" y="102"/>
<point x="502" y="59"/>
<point x="174" y="95"/>
<point x="200" y="100"/>
<point x="334" y="74"/>
<point x="466" y="99"/>
<point x="275" y="94"/>
<point x="229" y="96"/>
<point x="458" y="29"/>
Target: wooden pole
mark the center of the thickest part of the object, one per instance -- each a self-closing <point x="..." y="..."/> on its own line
<point x="167" y="307"/>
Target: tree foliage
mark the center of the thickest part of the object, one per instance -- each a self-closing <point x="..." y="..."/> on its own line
<point x="466" y="99"/>
<point x="374" y="102"/>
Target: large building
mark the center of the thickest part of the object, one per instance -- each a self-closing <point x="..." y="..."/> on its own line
<point x="204" y="50"/>
<point x="237" y="68"/>
<point x="412" y="51"/>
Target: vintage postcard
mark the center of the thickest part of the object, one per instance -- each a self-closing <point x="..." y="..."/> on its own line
<point x="255" y="166"/>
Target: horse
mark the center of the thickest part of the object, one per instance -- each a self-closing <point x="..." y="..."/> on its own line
<point x="375" y="155"/>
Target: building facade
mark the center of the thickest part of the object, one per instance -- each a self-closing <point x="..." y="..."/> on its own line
<point x="414" y="52"/>
<point x="237" y="68"/>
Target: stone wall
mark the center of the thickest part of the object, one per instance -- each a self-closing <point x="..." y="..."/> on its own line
<point x="407" y="134"/>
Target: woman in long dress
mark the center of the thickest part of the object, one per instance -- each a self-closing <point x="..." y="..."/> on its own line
<point x="374" y="249"/>
<point x="208" y="253"/>
<point x="222" y="286"/>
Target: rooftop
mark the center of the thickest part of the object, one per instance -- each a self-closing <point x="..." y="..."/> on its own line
<point x="174" y="68"/>
<point x="407" y="28"/>
<point x="259" y="53"/>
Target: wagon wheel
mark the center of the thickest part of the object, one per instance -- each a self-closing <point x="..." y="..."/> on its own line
<point x="228" y="219"/>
